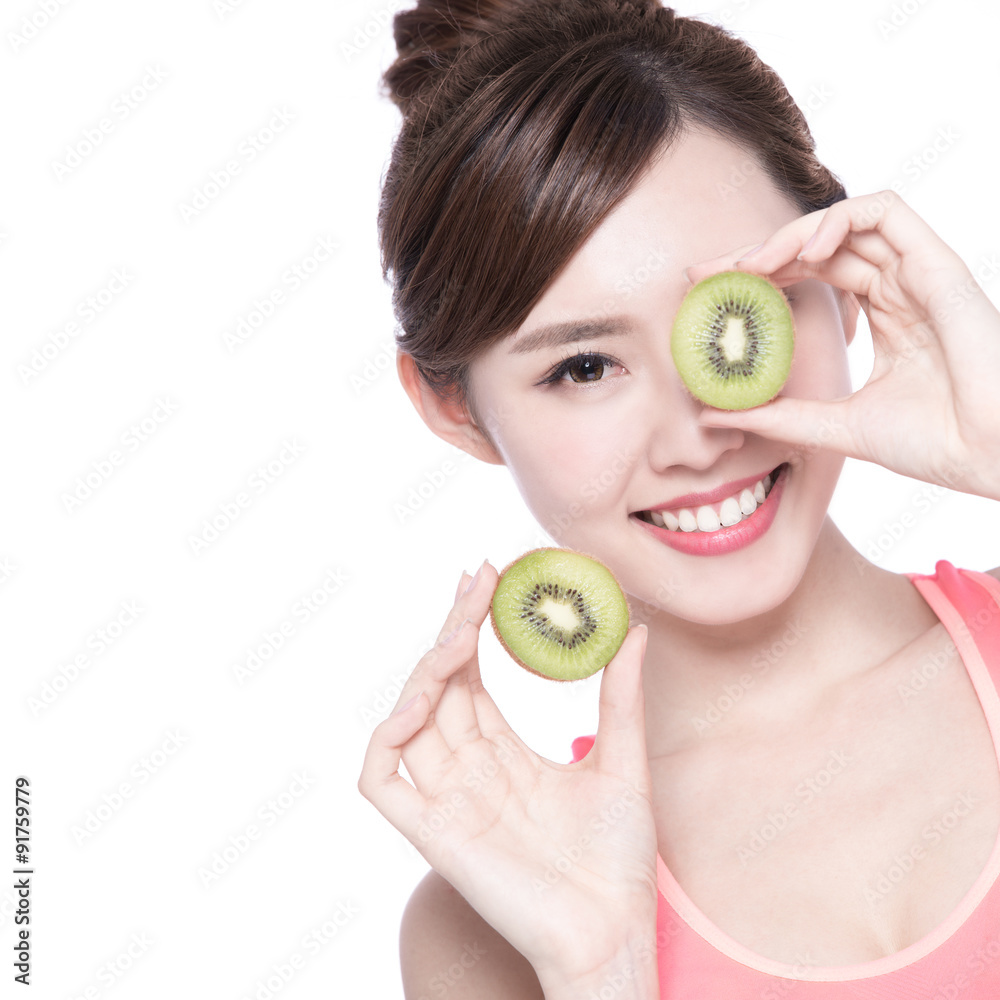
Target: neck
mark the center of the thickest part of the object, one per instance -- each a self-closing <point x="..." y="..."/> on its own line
<point x="704" y="682"/>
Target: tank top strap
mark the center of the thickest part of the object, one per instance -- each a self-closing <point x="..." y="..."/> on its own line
<point x="968" y="604"/>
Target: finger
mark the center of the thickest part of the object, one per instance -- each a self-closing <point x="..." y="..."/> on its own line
<point x="463" y="583"/>
<point x="428" y="754"/>
<point x="467" y="598"/>
<point x="380" y="781"/>
<point x="807" y="424"/>
<point x="724" y="262"/>
<point x="435" y="667"/>
<point x="620" y="744"/>
<point x="844" y="269"/>
<point x="455" y="715"/>
<point x="884" y="212"/>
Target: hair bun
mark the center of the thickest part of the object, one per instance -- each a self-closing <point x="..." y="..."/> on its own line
<point x="428" y="38"/>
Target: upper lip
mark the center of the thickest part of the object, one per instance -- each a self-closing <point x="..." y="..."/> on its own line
<point x="712" y="496"/>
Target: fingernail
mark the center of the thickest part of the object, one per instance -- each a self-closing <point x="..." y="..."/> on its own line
<point x="749" y="253"/>
<point x="808" y="244"/>
<point x="451" y="635"/>
<point x="475" y="579"/>
<point x="412" y="701"/>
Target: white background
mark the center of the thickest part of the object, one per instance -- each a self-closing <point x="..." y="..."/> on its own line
<point x="162" y="711"/>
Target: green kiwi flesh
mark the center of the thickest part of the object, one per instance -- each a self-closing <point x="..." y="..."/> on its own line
<point x="559" y="613"/>
<point x="732" y="340"/>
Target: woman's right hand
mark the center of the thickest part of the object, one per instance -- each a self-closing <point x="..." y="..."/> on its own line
<point x="559" y="858"/>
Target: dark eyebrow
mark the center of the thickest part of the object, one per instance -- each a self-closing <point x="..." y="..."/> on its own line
<point x="558" y="334"/>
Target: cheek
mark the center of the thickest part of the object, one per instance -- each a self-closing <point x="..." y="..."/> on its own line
<point x="571" y="461"/>
<point x="819" y="364"/>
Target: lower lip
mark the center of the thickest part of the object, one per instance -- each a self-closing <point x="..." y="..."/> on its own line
<point x="717" y="543"/>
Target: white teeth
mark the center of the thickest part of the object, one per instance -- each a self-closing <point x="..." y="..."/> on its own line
<point x="686" y="521"/>
<point x="708" y="520"/>
<point x="729" y="512"/>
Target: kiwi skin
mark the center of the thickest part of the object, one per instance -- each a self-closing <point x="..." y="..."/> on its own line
<point x="502" y="641"/>
<point x="701" y="382"/>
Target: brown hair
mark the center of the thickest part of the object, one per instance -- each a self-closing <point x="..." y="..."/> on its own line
<point x="525" y="123"/>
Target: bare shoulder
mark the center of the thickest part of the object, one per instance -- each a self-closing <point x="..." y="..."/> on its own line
<point x="445" y="947"/>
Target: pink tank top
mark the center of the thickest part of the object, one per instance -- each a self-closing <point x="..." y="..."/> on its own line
<point x="959" y="960"/>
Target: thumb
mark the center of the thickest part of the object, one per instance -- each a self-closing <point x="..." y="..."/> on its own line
<point x="809" y="424"/>
<point x="620" y="744"/>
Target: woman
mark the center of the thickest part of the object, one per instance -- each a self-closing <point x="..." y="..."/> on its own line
<point x="829" y="826"/>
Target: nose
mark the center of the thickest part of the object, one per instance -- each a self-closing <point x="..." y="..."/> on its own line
<point x="674" y="437"/>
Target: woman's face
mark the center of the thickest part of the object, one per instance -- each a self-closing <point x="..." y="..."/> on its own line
<point x="595" y="444"/>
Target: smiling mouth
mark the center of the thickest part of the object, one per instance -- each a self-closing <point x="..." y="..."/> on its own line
<point x="714" y="517"/>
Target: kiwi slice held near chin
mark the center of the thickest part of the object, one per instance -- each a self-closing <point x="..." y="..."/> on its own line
<point x="559" y="613"/>
<point x="732" y="340"/>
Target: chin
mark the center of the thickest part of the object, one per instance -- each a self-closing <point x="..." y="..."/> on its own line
<point x="745" y="580"/>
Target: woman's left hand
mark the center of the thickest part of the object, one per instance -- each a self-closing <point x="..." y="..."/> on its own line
<point x="930" y="408"/>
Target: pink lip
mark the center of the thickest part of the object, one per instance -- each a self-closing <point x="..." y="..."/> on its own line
<point x="712" y="496"/>
<point x="717" y="543"/>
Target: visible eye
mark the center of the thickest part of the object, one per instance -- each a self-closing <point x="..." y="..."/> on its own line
<point x="581" y="368"/>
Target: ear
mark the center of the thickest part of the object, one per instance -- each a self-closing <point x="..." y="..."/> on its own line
<point x="850" y="308"/>
<point x="448" y="419"/>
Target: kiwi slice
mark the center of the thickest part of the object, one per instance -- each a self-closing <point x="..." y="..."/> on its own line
<point x="732" y="340"/>
<point x="559" y="613"/>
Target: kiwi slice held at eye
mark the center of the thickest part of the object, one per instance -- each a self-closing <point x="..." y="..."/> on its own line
<point x="732" y="340"/>
<point x="559" y="613"/>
